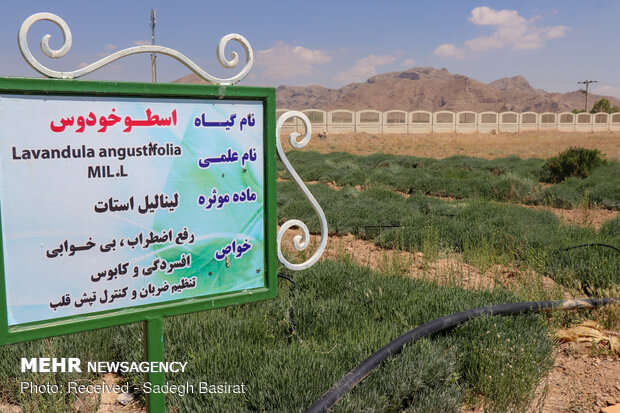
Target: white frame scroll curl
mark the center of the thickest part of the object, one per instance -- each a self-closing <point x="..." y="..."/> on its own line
<point x="300" y="242"/>
<point x="22" y="40"/>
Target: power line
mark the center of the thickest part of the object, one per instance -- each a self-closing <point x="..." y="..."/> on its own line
<point x="587" y="83"/>
<point x="152" y="24"/>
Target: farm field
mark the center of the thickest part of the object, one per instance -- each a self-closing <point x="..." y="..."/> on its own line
<point x="421" y="226"/>
<point x="579" y="381"/>
<point x="540" y="144"/>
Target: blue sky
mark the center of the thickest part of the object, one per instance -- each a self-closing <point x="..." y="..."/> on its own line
<point x="553" y="44"/>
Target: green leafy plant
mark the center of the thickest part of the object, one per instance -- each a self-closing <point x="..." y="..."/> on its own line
<point x="604" y="106"/>
<point x="574" y="162"/>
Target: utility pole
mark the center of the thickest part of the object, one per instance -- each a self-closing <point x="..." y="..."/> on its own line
<point x="587" y="83"/>
<point x="152" y="24"/>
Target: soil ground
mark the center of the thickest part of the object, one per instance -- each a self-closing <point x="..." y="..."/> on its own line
<point x="583" y="217"/>
<point x="109" y="403"/>
<point x="443" y="270"/>
<point x="584" y="378"/>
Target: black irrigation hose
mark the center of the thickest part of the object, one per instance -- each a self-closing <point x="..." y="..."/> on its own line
<point x="355" y="376"/>
<point x="594" y="244"/>
<point x="383" y="226"/>
<point x="289" y="279"/>
<point x="291" y="310"/>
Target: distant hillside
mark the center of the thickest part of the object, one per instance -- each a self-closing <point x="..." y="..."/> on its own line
<point x="429" y="89"/>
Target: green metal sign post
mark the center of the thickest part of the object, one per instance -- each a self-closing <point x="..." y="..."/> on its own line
<point x="154" y="351"/>
<point x="226" y="270"/>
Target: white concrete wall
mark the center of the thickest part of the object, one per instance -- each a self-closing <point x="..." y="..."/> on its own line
<point x="488" y="122"/>
<point x="419" y="121"/>
<point x="444" y="121"/>
<point x="395" y="121"/>
<point x="583" y="122"/>
<point x="528" y="121"/>
<point x="547" y="121"/>
<point x="466" y="122"/>
<point x="340" y="121"/>
<point x="318" y="120"/>
<point x="509" y="122"/>
<point x="369" y="121"/>
<point x="566" y="122"/>
<point x="614" y="122"/>
<point x="600" y="122"/>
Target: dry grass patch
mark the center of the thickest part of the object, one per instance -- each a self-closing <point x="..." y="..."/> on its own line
<point x="583" y="217"/>
<point x="109" y="403"/>
<point x="539" y="144"/>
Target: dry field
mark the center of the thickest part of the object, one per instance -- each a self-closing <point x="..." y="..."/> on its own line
<point x="482" y="145"/>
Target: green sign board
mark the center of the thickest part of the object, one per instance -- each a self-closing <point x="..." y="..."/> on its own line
<point x="123" y="202"/>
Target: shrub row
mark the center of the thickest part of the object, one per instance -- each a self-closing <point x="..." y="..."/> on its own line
<point x="485" y="232"/>
<point x="506" y="179"/>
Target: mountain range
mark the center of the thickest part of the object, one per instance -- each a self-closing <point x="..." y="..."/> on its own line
<point x="427" y="88"/>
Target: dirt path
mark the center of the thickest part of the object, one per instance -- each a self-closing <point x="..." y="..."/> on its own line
<point x="581" y="217"/>
<point x="585" y="378"/>
<point x="442" y="270"/>
<point x="109" y="403"/>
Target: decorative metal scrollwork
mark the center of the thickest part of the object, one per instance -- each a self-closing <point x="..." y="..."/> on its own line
<point x="48" y="51"/>
<point x="300" y="242"/>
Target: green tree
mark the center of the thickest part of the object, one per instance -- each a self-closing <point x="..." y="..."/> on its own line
<point x="603" y="105"/>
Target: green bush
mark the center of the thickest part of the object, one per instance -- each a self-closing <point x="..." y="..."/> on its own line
<point x="112" y="344"/>
<point x="604" y="105"/>
<point x="506" y="179"/>
<point x="574" y="162"/>
<point x="484" y="231"/>
<point x="611" y="228"/>
<point x="601" y="190"/>
<point x="566" y="195"/>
